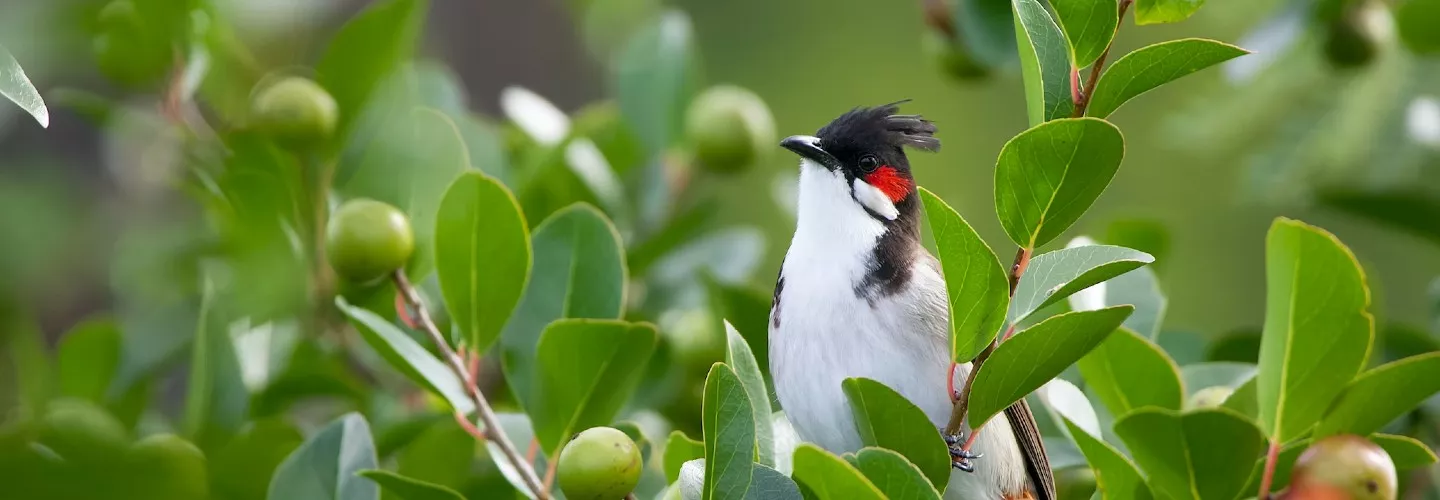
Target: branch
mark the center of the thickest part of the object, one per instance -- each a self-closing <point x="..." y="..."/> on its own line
<point x="1082" y="99"/>
<point x="482" y="406"/>
<point x="961" y="410"/>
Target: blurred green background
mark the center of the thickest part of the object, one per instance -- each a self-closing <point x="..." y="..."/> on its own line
<point x="1190" y="164"/>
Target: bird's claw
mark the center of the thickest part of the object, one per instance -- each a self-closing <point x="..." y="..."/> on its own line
<point x="960" y="458"/>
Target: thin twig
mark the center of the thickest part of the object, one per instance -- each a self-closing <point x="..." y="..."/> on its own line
<point x="938" y="16"/>
<point x="550" y="472"/>
<point x="1082" y="100"/>
<point x="482" y="406"/>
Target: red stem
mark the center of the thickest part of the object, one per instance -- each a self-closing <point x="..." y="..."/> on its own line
<point x="1270" y="457"/>
<point x="1082" y="100"/>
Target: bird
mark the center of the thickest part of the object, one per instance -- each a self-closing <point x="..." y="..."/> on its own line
<point x="858" y="295"/>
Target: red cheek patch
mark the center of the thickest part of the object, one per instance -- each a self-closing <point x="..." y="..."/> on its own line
<point x="890" y="182"/>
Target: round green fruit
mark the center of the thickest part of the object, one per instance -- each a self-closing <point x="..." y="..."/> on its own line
<point x="80" y="431"/>
<point x="601" y="463"/>
<point x="1209" y="397"/>
<point x="367" y="240"/>
<point x="729" y="128"/>
<point x="169" y="468"/>
<point x="1348" y="465"/>
<point x="1075" y="483"/>
<point x="295" y="111"/>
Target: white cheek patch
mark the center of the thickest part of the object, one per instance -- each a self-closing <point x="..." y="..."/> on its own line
<point x="875" y="200"/>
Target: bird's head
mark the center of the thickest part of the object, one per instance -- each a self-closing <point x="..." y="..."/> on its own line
<point x="865" y="149"/>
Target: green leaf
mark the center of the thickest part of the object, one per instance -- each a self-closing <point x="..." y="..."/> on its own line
<point x="579" y="272"/>
<point x="654" y="77"/>
<point x="1244" y="400"/>
<point x="1318" y="328"/>
<point x="412" y="163"/>
<point x="1215" y="374"/>
<point x="1416" y="20"/>
<point x="1150" y="67"/>
<point x="14" y="85"/>
<point x="1089" y="26"/>
<point x="407" y="356"/>
<point x="1139" y="288"/>
<point x="738" y="356"/>
<point x="1407" y="452"/>
<point x="770" y="484"/>
<point x="888" y="420"/>
<point x="976" y="284"/>
<point x="368" y="48"/>
<point x="325" y="466"/>
<point x="241" y="469"/>
<point x="824" y="476"/>
<point x="1128" y="372"/>
<point x="1044" y="61"/>
<point x="482" y="256"/>
<point x="409" y="488"/>
<point x="1052" y="276"/>
<point x="1164" y="11"/>
<point x="1036" y="355"/>
<point x="587" y="370"/>
<point x="729" y="435"/>
<point x="87" y="358"/>
<point x="895" y="476"/>
<point x="1380" y="395"/>
<point x="1178" y="452"/>
<point x="216" y="399"/>
<point x="1116" y="477"/>
<point x="678" y="450"/>
<point x="1141" y="233"/>
<point x="1048" y="176"/>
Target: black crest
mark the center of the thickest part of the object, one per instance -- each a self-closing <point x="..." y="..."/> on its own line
<point x="877" y="127"/>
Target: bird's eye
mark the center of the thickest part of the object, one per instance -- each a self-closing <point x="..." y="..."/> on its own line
<point x="869" y="163"/>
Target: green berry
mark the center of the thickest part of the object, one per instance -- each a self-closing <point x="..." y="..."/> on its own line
<point x="730" y="129"/>
<point x="367" y="240"/>
<point x="1075" y="483"/>
<point x="295" y="111"/>
<point x="601" y="463"/>
<point x="1349" y="465"/>
<point x="80" y="431"/>
<point x="169" y="468"/>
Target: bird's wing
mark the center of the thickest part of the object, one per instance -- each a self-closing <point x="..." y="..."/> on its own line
<point x="1032" y="448"/>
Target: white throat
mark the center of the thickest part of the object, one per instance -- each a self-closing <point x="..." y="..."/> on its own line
<point x="828" y="223"/>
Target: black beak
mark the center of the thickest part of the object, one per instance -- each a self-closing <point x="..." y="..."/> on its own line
<point x="808" y="147"/>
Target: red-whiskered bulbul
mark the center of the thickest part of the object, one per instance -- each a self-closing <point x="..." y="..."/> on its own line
<point x="858" y="296"/>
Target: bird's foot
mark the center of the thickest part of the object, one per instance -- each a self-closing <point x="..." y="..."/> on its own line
<point x="960" y="458"/>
